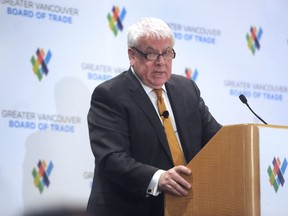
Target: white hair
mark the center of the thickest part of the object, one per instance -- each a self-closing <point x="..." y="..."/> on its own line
<point x="149" y="27"/>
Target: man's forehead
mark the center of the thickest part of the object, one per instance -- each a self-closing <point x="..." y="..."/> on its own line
<point x="155" y="43"/>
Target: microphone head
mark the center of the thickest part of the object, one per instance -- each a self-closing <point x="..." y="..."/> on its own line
<point x="165" y="114"/>
<point x="243" y="98"/>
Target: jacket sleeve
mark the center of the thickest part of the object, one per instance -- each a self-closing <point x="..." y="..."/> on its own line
<point x="209" y="124"/>
<point x="110" y="140"/>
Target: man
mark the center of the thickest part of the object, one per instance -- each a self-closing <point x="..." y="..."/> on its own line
<point x="134" y="162"/>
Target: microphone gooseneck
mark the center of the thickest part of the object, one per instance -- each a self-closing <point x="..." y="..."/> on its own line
<point x="244" y="100"/>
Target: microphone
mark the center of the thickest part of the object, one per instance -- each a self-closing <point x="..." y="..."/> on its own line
<point x="244" y="100"/>
<point x="165" y="114"/>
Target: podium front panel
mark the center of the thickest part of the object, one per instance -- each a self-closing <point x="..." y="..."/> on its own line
<point x="273" y="150"/>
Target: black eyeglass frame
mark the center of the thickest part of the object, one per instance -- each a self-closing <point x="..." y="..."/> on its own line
<point x="146" y="54"/>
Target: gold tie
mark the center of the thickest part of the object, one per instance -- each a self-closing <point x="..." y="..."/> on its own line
<point x="177" y="154"/>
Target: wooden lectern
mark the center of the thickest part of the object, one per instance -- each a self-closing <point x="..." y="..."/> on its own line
<point x="225" y="176"/>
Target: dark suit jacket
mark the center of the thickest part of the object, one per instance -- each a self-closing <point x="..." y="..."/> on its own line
<point x="129" y="143"/>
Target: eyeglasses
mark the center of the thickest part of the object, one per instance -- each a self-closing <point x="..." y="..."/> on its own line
<point x="167" y="54"/>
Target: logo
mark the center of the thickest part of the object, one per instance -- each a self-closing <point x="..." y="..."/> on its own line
<point x="191" y="75"/>
<point x="40" y="63"/>
<point x="276" y="173"/>
<point x="253" y="39"/>
<point x="115" y="19"/>
<point x="41" y="177"/>
<point x="192" y="33"/>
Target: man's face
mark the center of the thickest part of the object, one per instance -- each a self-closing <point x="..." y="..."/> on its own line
<point x="153" y="73"/>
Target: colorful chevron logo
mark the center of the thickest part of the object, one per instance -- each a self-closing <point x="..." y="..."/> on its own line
<point x="116" y="19"/>
<point x="190" y="74"/>
<point x="40" y="63"/>
<point x="253" y="39"/>
<point x="41" y="177"/>
<point x="276" y="173"/>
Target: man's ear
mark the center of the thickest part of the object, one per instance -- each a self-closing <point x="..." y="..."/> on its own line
<point x="131" y="56"/>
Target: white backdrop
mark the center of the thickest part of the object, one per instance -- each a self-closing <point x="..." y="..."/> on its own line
<point x="45" y="119"/>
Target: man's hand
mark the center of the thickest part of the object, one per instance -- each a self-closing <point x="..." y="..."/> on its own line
<point x="171" y="181"/>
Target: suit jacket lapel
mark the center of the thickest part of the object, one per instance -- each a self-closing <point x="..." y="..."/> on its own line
<point x="177" y="101"/>
<point x="142" y="100"/>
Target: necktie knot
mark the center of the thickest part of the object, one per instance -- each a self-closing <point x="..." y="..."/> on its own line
<point x="158" y="92"/>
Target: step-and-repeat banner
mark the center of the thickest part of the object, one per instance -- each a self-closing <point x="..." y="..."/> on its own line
<point x="53" y="54"/>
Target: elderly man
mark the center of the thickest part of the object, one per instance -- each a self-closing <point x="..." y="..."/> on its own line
<point x="144" y="126"/>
